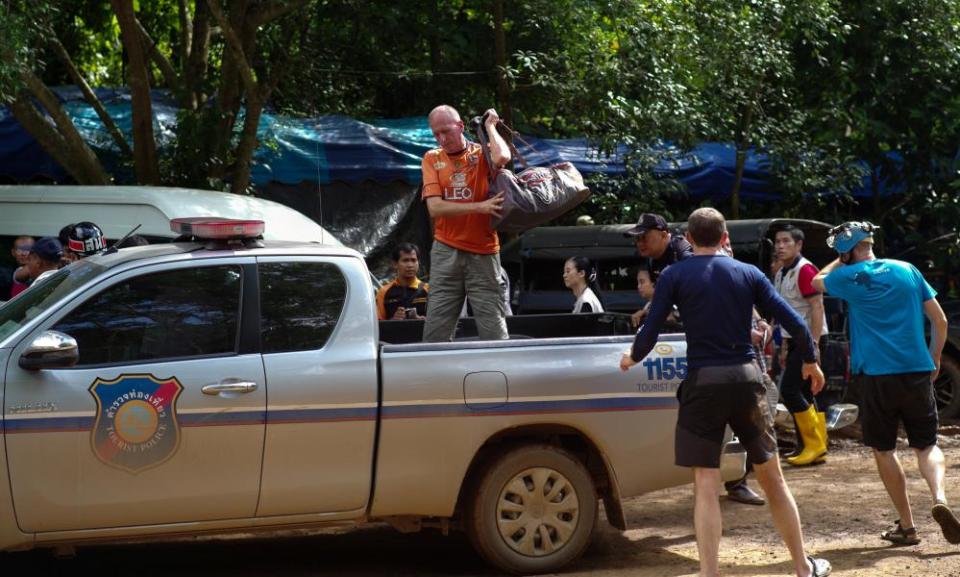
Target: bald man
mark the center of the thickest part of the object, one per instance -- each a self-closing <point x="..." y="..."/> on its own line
<point x="465" y="259"/>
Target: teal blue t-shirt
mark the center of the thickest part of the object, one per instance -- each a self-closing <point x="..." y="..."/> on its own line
<point x="885" y="299"/>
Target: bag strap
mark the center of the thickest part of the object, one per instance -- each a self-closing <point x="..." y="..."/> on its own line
<point x="513" y="149"/>
<point x="477" y="123"/>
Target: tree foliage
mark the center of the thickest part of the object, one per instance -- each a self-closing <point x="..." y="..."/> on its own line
<point x="826" y="90"/>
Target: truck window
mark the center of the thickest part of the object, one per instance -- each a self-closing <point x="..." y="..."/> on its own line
<point x="300" y="304"/>
<point x="44" y="295"/>
<point x="171" y="314"/>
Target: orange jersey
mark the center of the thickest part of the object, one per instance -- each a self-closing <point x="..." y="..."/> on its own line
<point x="461" y="178"/>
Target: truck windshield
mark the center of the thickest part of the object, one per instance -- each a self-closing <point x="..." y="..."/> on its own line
<point x="38" y="298"/>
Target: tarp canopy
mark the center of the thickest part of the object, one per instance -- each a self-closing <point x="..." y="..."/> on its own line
<point x="331" y="149"/>
<point x="358" y="179"/>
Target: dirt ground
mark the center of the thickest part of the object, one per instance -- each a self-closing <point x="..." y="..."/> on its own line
<point x="842" y="504"/>
<point x="843" y="508"/>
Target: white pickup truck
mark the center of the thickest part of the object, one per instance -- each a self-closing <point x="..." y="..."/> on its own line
<point x="232" y="384"/>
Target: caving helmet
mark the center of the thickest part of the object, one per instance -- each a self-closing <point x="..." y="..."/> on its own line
<point x="85" y="239"/>
<point x="844" y="237"/>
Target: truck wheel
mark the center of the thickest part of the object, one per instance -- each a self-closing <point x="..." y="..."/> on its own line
<point x="533" y="510"/>
<point x="947" y="388"/>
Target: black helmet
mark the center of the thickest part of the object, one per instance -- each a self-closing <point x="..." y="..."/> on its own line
<point x="64" y="235"/>
<point x="85" y="239"/>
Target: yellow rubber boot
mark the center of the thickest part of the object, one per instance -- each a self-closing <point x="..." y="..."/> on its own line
<point x="822" y="429"/>
<point x="814" y="446"/>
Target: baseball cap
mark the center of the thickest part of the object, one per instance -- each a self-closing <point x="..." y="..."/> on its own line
<point x="48" y="248"/>
<point x="648" y="221"/>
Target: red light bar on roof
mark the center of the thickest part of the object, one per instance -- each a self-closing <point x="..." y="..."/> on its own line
<point x="216" y="228"/>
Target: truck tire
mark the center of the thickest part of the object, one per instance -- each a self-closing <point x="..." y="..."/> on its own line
<point x="533" y="510"/>
<point x="947" y="388"/>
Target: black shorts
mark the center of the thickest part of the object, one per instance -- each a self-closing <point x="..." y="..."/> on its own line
<point x="712" y="398"/>
<point x="888" y="399"/>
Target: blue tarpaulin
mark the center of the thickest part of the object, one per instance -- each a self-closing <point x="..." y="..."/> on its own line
<point x="339" y="149"/>
<point x="383" y="150"/>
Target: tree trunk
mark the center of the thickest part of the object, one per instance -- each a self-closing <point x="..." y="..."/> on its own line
<point x="436" y="60"/>
<point x="737" y="179"/>
<point x="186" y="32"/>
<point x="166" y="68"/>
<point x="238" y="46"/>
<point x="81" y="163"/>
<point x="228" y="98"/>
<point x="500" y="53"/>
<point x="258" y="93"/>
<point x="144" y="147"/>
<point x="239" y="30"/>
<point x="91" y="98"/>
<point x="247" y="146"/>
<point x="195" y="69"/>
<point x="264" y="12"/>
<point x="741" y="141"/>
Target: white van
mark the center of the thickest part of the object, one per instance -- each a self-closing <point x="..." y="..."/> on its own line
<point x="43" y="210"/>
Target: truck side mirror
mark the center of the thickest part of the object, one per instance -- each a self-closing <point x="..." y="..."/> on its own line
<point x="50" y="350"/>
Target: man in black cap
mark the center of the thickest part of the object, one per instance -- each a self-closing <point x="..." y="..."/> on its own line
<point x="658" y="246"/>
<point x="44" y="259"/>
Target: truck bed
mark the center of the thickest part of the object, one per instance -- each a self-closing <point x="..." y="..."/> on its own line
<point x="519" y="327"/>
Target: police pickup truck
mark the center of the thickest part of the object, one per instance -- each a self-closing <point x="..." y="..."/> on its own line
<point x="230" y="384"/>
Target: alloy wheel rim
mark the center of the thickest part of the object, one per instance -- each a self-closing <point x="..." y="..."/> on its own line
<point x="537" y="512"/>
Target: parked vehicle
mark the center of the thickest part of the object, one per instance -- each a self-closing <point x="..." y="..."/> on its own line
<point x="233" y="384"/>
<point x="536" y="259"/>
<point x="42" y="210"/>
<point x="947" y="385"/>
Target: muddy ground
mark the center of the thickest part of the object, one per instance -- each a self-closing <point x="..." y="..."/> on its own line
<point x="842" y="504"/>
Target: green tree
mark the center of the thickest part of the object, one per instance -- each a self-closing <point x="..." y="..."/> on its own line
<point x="26" y="29"/>
<point x="893" y="89"/>
<point x="219" y="80"/>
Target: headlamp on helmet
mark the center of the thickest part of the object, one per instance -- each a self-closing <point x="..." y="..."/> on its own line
<point x="844" y="237"/>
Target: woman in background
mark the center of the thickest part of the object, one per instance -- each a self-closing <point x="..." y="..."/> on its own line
<point x="580" y="276"/>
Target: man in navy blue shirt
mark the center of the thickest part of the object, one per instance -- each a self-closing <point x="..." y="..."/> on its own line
<point x="716" y="295"/>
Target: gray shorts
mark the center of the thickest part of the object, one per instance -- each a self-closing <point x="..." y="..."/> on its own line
<point x="711" y="398"/>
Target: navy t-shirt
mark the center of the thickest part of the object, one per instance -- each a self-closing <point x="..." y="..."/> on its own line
<point x="716" y="295"/>
<point x="678" y="249"/>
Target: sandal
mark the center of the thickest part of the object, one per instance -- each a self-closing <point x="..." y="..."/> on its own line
<point x="819" y="567"/>
<point x="947" y="521"/>
<point x="900" y="536"/>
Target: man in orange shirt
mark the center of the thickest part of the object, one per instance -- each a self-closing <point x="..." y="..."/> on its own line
<point x="406" y="296"/>
<point x="465" y="259"/>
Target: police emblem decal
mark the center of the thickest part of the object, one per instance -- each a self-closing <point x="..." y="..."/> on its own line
<point x="136" y="426"/>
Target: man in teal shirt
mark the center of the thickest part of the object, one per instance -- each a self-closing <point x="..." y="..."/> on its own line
<point x="887" y="301"/>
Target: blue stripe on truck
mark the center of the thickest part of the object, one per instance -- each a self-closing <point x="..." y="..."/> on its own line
<point x="47" y="424"/>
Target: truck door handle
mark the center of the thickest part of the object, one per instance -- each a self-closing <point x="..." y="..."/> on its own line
<point x="235" y="386"/>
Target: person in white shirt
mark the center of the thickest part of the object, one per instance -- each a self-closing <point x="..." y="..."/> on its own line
<point x="580" y="276"/>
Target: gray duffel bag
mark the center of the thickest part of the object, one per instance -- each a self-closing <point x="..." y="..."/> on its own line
<point x="536" y="194"/>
